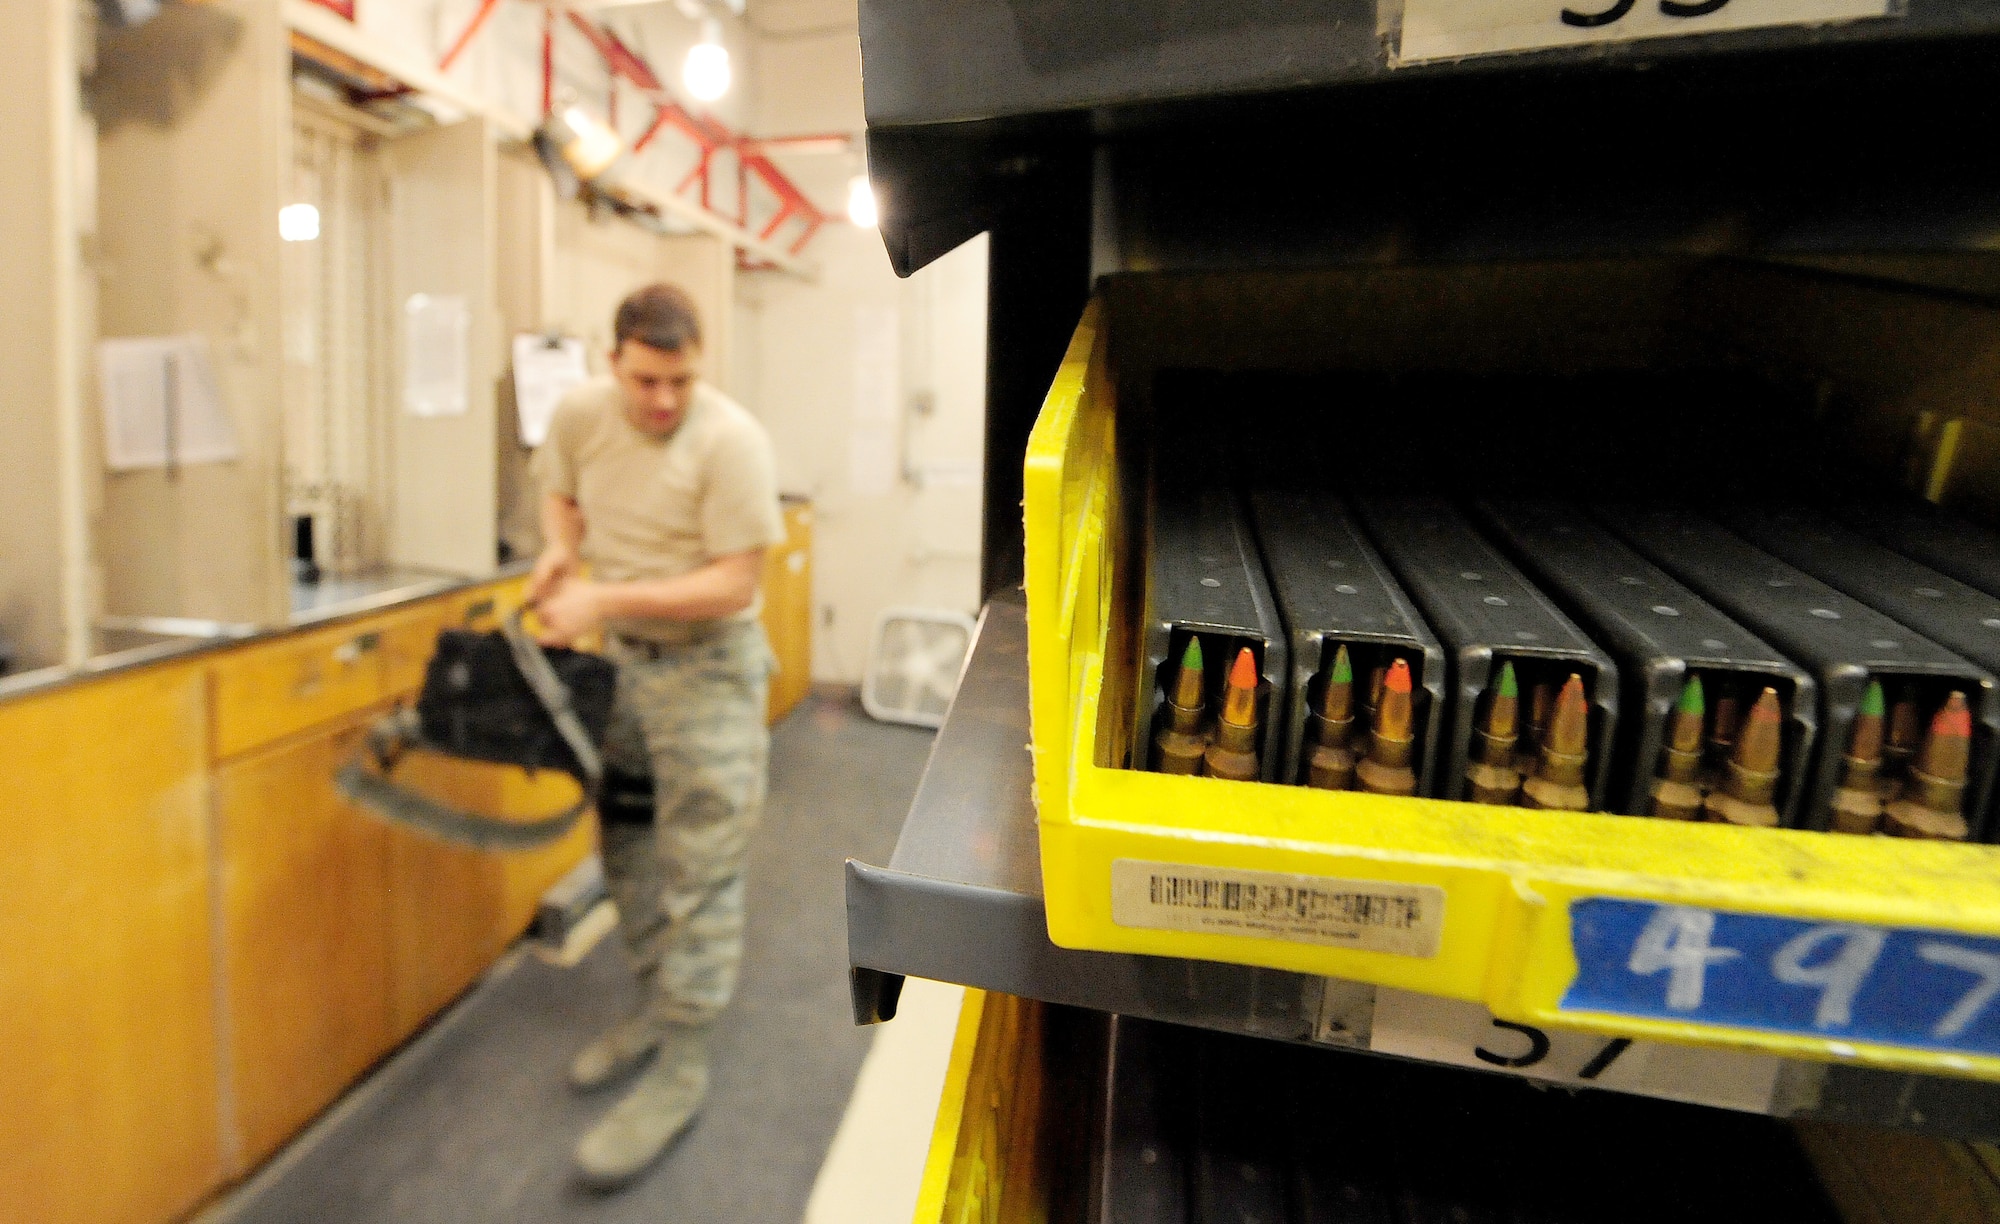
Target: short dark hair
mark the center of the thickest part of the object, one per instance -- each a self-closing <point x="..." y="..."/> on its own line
<point x="660" y="316"/>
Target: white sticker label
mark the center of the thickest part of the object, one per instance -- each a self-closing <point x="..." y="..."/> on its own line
<point x="1466" y="1034"/>
<point x="1370" y="915"/>
<point x="1450" y="29"/>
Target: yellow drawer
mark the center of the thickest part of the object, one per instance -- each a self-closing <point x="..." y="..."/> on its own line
<point x="408" y="639"/>
<point x="982" y="1167"/>
<point x="1499" y="886"/>
<point x="275" y="689"/>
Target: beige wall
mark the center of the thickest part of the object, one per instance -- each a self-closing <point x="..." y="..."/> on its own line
<point x="189" y="243"/>
<point x="37" y="346"/>
<point x="915" y="541"/>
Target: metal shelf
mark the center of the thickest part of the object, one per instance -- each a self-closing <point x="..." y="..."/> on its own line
<point x="981" y="60"/>
<point x="961" y="901"/>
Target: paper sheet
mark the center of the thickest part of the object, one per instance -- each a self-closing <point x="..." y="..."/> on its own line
<point x="435" y="330"/>
<point x="543" y="374"/>
<point x="162" y="405"/>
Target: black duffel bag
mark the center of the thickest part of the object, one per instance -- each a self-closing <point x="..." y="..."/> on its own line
<point x="499" y="697"/>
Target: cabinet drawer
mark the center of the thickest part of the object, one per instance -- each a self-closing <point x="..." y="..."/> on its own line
<point x="266" y="692"/>
<point x="408" y="639"/>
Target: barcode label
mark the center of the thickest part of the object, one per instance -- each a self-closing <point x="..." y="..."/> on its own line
<point x="1371" y="915"/>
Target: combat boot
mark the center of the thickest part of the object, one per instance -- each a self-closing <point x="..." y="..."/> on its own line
<point x="616" y="1051"/>
<point x="661" y="1104"/>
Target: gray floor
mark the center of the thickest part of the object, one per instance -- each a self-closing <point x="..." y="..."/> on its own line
<point x="475" y="1124"/>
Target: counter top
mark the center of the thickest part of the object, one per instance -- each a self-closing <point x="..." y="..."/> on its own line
<point x="323" y="603"/>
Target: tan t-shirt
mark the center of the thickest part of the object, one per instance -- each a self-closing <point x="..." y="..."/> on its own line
<point x="658" y="507"/>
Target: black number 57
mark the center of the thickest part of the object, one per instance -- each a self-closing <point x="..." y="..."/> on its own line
<point x="1672" y="8"/>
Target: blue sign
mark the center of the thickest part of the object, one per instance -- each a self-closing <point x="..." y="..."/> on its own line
<point x="1842" y="981"/>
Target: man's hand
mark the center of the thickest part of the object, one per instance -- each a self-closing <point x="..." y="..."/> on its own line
<point x="574" y="610"/>
<point x="556" y="565"/>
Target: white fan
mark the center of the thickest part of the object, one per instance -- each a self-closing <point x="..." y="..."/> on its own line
<point x="913" y="669"/>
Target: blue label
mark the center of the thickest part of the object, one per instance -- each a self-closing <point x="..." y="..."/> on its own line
<point x="1842" y="981"/>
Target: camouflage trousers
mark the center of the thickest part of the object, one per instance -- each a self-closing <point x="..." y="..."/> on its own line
<point x="692" y="717"/>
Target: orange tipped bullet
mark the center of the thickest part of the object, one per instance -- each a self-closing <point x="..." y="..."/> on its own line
<point x="1233" y="752"/>
<point x="1676" y="795"/>
<point x="1331" y="765"/>
<point x="1558" y="782"/>
<point x="1751" y="777"/>
<point x="1934" y="796"/>
<point x="1857" y="805"/>
<point x="1491" y="776"/>
<point x="1393" y="738"/>
<point x="1181" y="737"/>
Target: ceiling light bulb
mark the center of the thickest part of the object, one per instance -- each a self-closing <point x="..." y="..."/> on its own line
<point x="706" y="72"/>
<point x="861" y="202"/>
<point x="593" y="145"/>
<point x="298" y="223"/>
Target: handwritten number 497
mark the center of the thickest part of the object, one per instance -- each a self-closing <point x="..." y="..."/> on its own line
<point x="1672" y="8"/>
<point x="1835" y="959"/>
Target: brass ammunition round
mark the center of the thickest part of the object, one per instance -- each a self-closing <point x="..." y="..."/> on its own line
<point x="1386" y="769"/>
<point x="1330" y="768"/>
<point x="1744" y="797"/>
<point x="1678" y="766"/>
<point x="1860" y="774"/>
<point x="1495" y="750"/>
<point x="1906" y="819"/>
<point x="1497" y="784"/>
<point x="1175" y="752"/>
<point x="1749" y="785"/>
<point x="1558" y="784"/>
<point x="1856" y="810"/>
<point x="1524" y="759"/>
<point x="1233" y="752"/>
<point x="1929" y="809"/>
<point x="1722" y="807"/>
<point x="1676" y="798"/>
<point x="1379" y="779"/>
<point x="1554" y="796"/>
<point x="1220" y="762"/>
<point x="1178" y="744"/>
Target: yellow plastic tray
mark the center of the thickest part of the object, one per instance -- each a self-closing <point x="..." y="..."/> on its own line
<point x="1505" y="876"/>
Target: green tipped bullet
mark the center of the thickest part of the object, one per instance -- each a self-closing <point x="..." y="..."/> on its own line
<point x="1182" y="737"/>
<point x="1676" y="794"/>
<point x="1857" y="805"/>
<point x="1331" y="765"/>
<point x="1491" y="776"/>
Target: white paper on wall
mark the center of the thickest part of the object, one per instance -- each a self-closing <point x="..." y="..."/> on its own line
<point x="436" y="328"/>
<point x="162" y="405"/>
<point x="545" y="369"/>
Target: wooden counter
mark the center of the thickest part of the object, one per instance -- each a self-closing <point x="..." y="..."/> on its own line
<point x="206" y="944"/>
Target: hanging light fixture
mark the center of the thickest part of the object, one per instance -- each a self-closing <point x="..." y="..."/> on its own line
<point x="706" y="70"/>
<point x="576" y="147"/>
<point x="861" y="203"/>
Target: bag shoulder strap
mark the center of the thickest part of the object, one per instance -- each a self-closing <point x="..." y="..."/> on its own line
<point x="364" y="777"/>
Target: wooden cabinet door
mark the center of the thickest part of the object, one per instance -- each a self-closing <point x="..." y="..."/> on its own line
<point x="446" y="901"/>
<point x="108" y="1100"/>
<point x="304" y="934"/>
